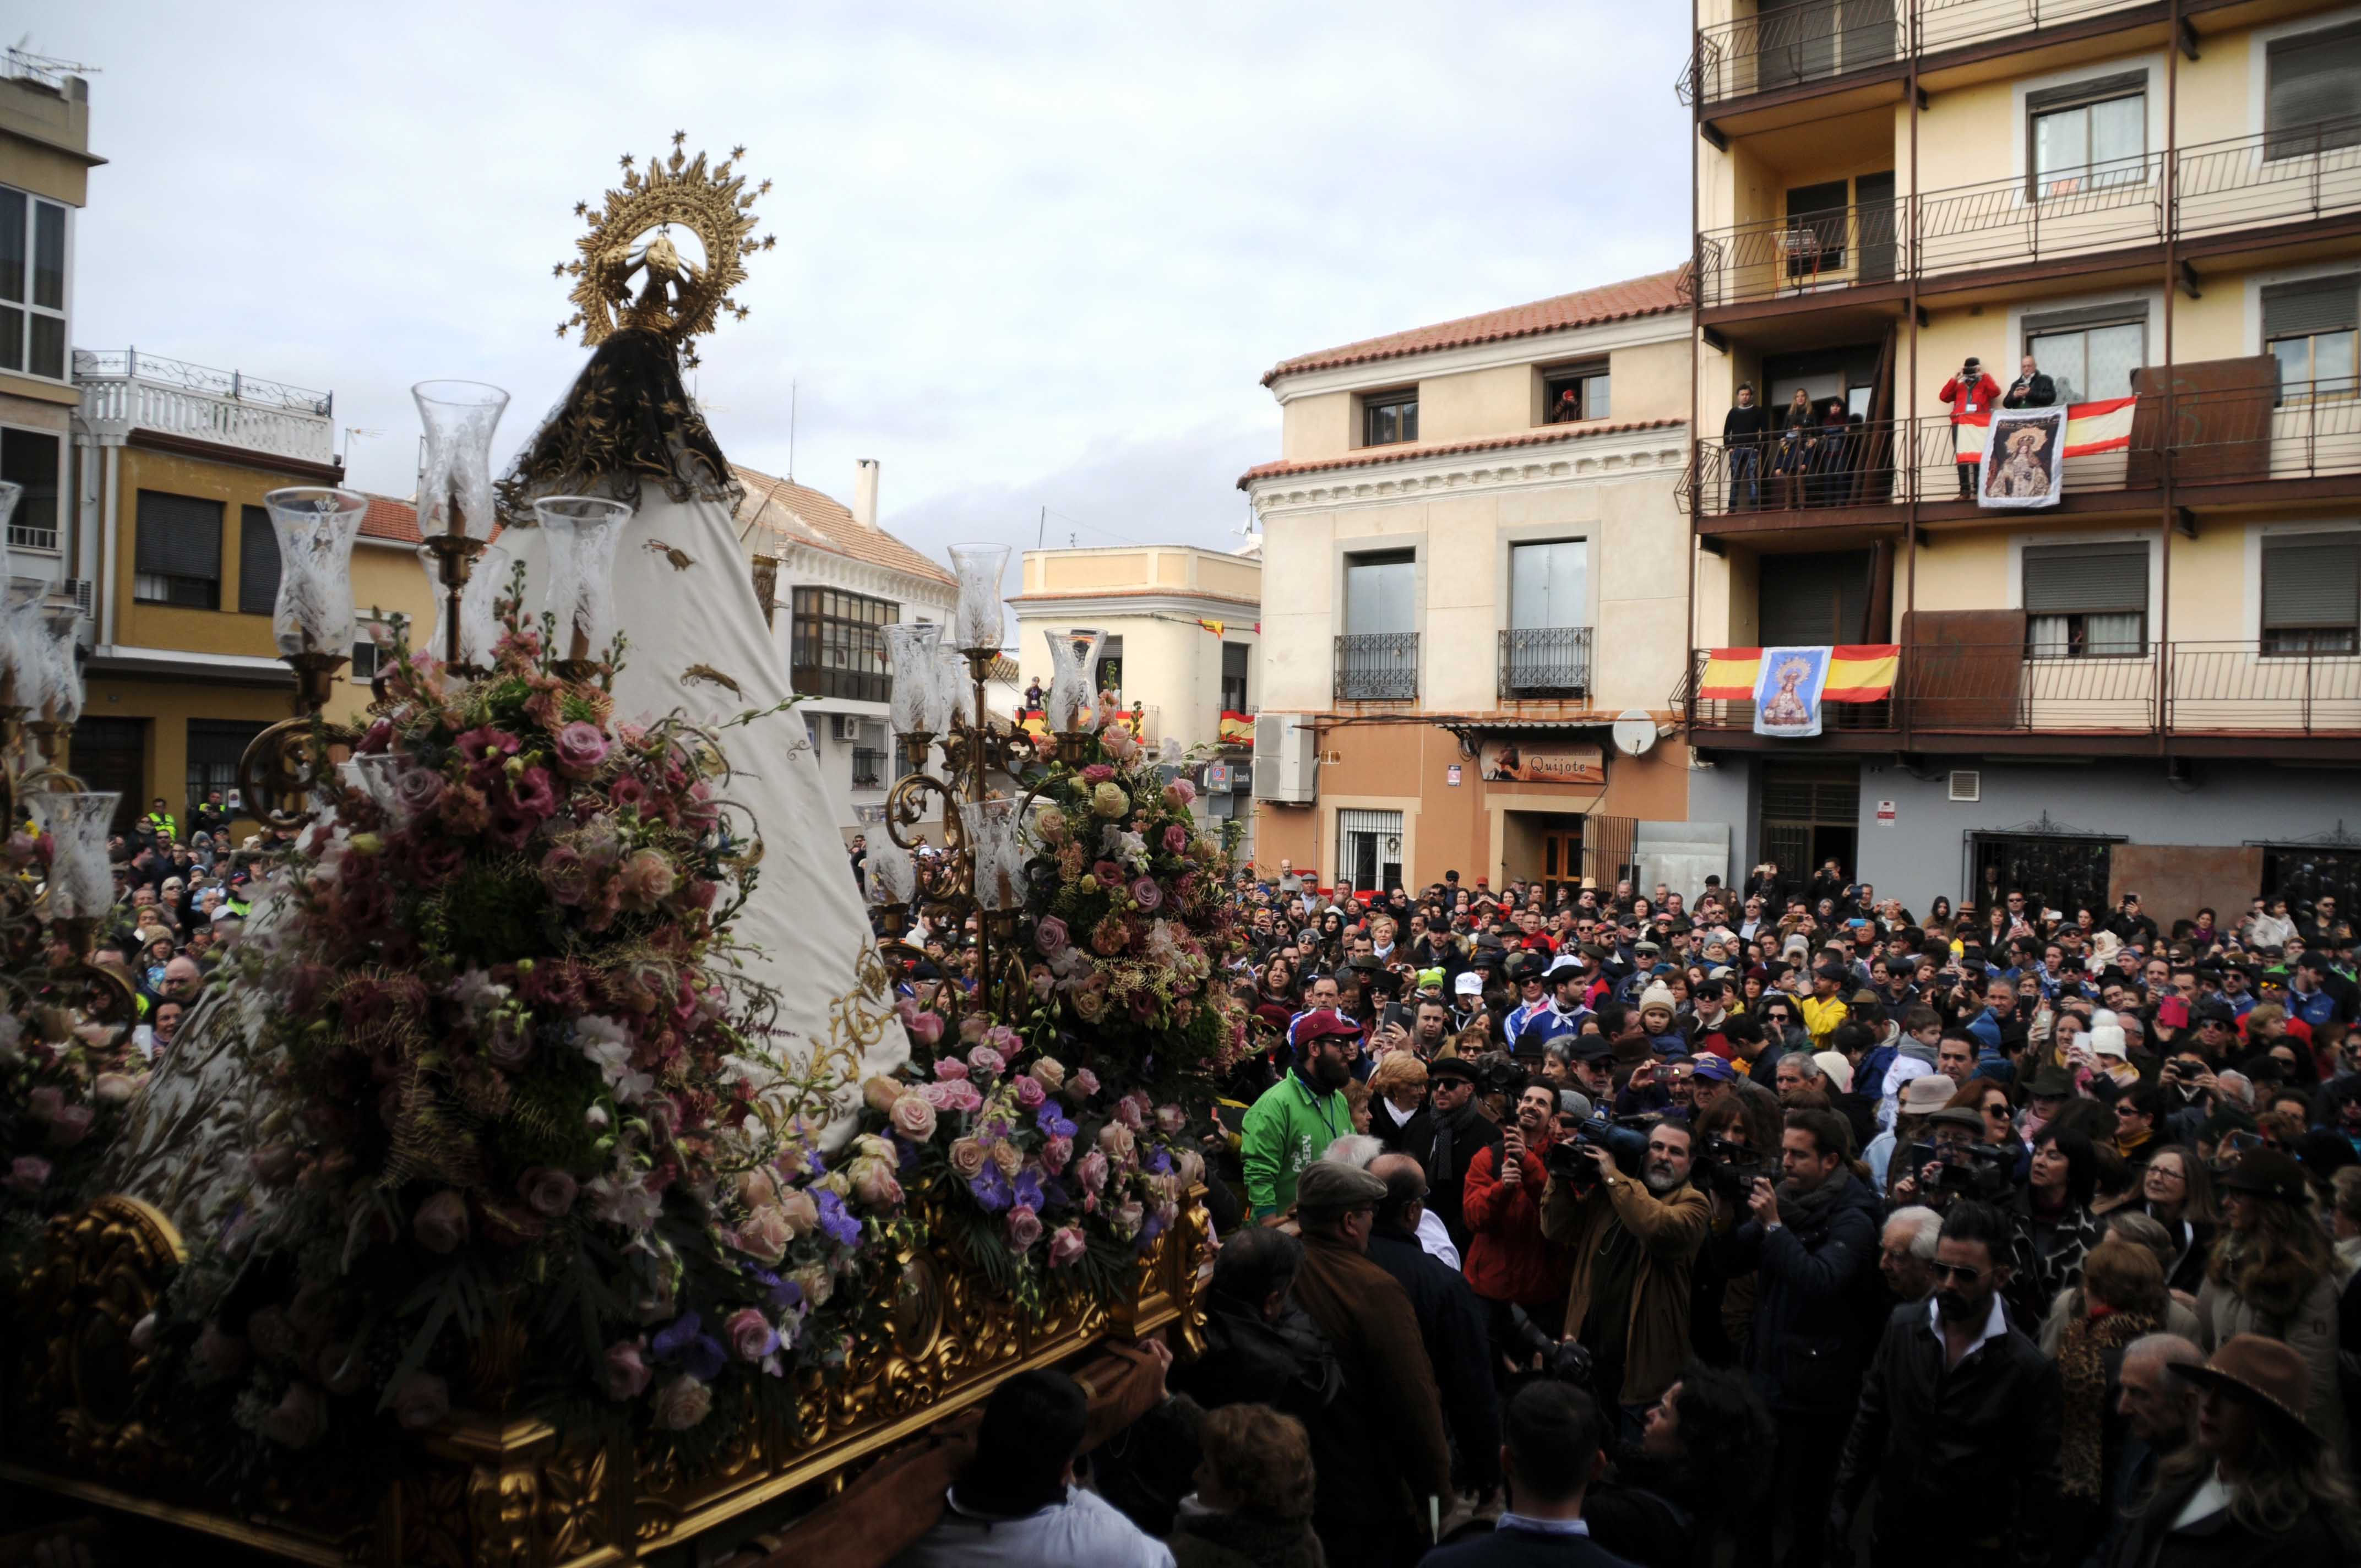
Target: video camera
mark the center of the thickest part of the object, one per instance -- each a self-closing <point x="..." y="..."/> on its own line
<point x="1730" y="1168"/>
<point x="1563" y="1361"/>
<point x="1625" y="1139"/>
<point x="1980" y="1172"/>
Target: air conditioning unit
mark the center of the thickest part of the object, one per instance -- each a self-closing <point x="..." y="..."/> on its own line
<point x="1286" y="759"/>
<point x="844" y="728"/>
<point x="1966" y="785"/>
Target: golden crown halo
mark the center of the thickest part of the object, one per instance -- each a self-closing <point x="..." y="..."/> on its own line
<point x="629" y="248"/>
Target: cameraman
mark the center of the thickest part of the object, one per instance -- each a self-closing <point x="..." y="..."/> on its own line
<point x="1633" y="1243"/>
<point x="1511" y="1261"/>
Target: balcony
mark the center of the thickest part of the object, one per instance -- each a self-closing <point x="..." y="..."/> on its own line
<point x="1544" y="663"/>
<point x="840" y="681"/>
<point x="1376" y="666"/>
<point x="2237" y="699"/>
<point x="123" y="390"/>
<point x="2217" y="445"/>
<point x="1825" y="45"/>
<point x="2247" y="191"/>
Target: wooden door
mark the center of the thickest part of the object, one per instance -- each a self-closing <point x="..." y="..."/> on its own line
<point x="2221" y="426"/>
<point x="1963" y="669"/>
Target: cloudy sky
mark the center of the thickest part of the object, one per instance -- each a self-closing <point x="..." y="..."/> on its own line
<point x="1028" y="256"/>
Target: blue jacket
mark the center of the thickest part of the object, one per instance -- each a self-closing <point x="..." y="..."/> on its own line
<point x="1523" y="1549"/>
<point x="1817" y="1300"/>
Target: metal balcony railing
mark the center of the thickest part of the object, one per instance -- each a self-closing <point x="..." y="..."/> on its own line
<point x="1376" y="666"/>
<point x="2289" y="178"/>
<point x="1824" y="39"/>
<point x="868" y="768"/>
<point x="2303" y="430"/>
<point x="2251" y="688"/>
<point x="1545" y="662"/>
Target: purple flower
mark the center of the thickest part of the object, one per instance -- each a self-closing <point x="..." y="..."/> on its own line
<point x="1146" y="893"/>
<point x="1050" y="937"/>
<point x="1149" y="1230"/>
<point x="579" y="748"/>
<point x="835" y="1220"/>
<point x="1028" y="1188"/>
<point x="992" y="1189"/>
<point x="1052" y="1125"/>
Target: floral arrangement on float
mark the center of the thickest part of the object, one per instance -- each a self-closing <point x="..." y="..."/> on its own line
<point x="1046" y="1118"/>
<point x="538" y="1151"/>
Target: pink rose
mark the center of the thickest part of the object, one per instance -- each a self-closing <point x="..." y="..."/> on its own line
<point x="579" y="748"/>
<point x="875" y="1184"/>
<point x="1097" y="774"/>
<point x="646" y="879"/>
<point x="1130" y="1215"/>
<point x="549" y="1194"/>
<point x="416" y="791"/>
<point x="565" y="876"/>
<point x="800" y="1211"/>
<point x="879" y="1094"/>
<point x="1189" y="1167"/>
<point x="757" y="1189"/>
<point x="1179" y="794"/>
<point x="749" y="1334"/>
<point x="1092" y="1170"/>
<point x="625" y="1372"/>
<point x="1024" y="1228"/>
<point x="1029" y="1092"/>
<point x="70" y="1126"/>
<point x="422" y="1400"/>
<point x="925" y="1028"/>
<point x="941" y="1096"/>
<point x="1056" y="1152"/>
<point x="914" y="1118"/>
<point x="1130" y="1112"/>
<point x="950" y="1067"/>
<point x="984" y="1059"/>
<point x="1009" y="1158"/>
<point x="1050" y="937"/>
<point x="299" y="1418"/>
<point x="1067" y="1245"/>
<point x="764" y="1236"/>
<point x="1117" y="1140"/>
<point x="1146" y="893"/>
<point x="1085" y="1083"/>
<point x="1170" y="1120"/>
<point x="967" y="1157"/>
<point x="964" y="1095"/>
<point x="1050" y="1072"/>
<point x="1176" y="839"/>
<point x="682" y="1403"/>
<point x="441" y="1222"/>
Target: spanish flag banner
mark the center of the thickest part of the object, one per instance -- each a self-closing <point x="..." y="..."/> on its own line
<point x="1238" y="729"/>
<point x="2091" y="429"/>
<point x="1858" y="671"/>
<point x="1215" y="626"/>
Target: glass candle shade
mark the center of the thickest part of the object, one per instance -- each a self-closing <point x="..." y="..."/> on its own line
<point x="978" y="568"/>
<point x="81" y="883"/>
<point x="911" y="647"/>
<point x="316" y="528"/>
<point x="1071" y="660"/>
<point x="10" y="494"/>
<point x="20" y="653"/>
<point x="995" y="837"/>
<point x="584" y="534"/>
<point x="952" y="692"/>
<point x="56" y="686"/>
<point x="479" y="627"/>
<point x="455" y="479"/>
<point x="888" y="875"/>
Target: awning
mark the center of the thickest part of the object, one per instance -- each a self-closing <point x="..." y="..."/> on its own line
<point x="1858" y="671"/>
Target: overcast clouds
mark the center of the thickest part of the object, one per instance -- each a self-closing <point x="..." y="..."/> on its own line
<point x="1028" y="255"/>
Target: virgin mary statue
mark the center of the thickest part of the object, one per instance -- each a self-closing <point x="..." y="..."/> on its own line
<point x="697" y="643"/>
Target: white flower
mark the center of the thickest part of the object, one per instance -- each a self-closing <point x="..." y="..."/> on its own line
<point x="474" y="991"/>
<point x="623" y="1200"/>
<point x="604" y="1042"/>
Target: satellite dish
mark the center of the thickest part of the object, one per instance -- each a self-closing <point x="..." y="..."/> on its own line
<point x="1635" y="733"/>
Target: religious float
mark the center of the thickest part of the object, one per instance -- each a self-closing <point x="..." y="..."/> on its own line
<point x="556" y="1172"/>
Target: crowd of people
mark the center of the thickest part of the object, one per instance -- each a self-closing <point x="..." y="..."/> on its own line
<point x="1776" y="1224"/>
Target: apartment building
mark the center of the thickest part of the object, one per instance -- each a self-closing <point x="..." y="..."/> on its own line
<point x="1480" y="567"/>
<point x="2152" y="684"/>
<point x="839" y="580"/>
<point x="1183" y="641"/>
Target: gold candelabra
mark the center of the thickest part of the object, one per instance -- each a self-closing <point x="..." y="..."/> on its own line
<point x="283" y="765"/>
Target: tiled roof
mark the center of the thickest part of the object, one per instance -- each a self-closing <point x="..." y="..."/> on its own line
<point x="1652" y="295"/>
<point x="805" y="516"/>
<point x="391" y="520"/>
<point x="1369" y="456"/>
<point x="1157" y="591"/>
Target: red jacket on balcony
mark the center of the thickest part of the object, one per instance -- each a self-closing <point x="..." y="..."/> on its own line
<point x="1975" y="397"/>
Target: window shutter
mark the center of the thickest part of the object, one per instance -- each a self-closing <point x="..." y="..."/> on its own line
<point x="2086" y="579"/>
<point x="2312" y="582"/>
<point x="258" y="562"/>
<point x="179" y="536"/>
<point x="2316" y="304"/>
<point x="2313" y="77"/>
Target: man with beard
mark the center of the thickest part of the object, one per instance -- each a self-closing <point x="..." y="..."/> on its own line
<point x="1511" y="1261"/>
<point x="1461" y="1130"/>
<point x="1633" y="1243"/>
<point x="1957" y="1405"/>
<point x="1297" y="1117"/>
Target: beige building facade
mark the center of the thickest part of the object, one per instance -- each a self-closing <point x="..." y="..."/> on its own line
<point x="2151" y="684"/>
<point x="1484" y="568"/>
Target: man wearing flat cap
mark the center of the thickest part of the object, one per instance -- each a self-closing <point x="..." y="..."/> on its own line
<point x="1366" y="1317"/>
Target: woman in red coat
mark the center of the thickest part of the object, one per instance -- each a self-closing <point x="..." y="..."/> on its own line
<point x="1509" y="1261"/>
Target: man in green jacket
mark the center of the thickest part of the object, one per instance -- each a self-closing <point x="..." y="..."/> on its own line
<point x="1297" y="1118"/>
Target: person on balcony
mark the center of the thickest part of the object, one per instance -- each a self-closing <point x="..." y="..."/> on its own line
<point x="1972" y="394"/>
<point x="1795" y="427"/>
<point x="2031" y="390"/>
<point x="1742" y="429"/>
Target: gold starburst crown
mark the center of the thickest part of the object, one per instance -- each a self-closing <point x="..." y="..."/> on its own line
<point x="629" y="274"/>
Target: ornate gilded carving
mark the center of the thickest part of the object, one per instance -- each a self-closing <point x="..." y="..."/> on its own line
<point x="629" y="246"/>
<point x="101" y="1273"/>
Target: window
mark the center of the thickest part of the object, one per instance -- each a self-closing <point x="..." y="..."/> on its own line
<point x="2086" y="601"/>
<point x="1109" y="673"/>
<point x="1549" y="584"/>
<point x="110" y="755"/>
<point x="1234" y="677"/>
<point x="1379" y="592"/>
<point x="214" y="747"/>
<point x="32" y="285"/>
<point x="1818" y="219"/>
<point x="1390" y="417"/>
<point x="2313" y="99"/>
<point x="1578" y="391"/>
<point x="839" y="644"/>
<point x="868" y="768"/>
<point x="2311" y="594"/>
<point x="258" y="562"/>
<point x="2088" y="353"/>
<point x="2088" y="137"/>
<point x="2309" y="328"/>
<point x="1369" y="848"/>
<point x="369" y="654"/>
<point x="177" y="558"/>
<point x="29" y="458"/>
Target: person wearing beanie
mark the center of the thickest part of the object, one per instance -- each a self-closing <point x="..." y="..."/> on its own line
<point x="1657" y="1012"/>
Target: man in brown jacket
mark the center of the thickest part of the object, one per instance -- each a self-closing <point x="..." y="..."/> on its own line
<point x="1366" y="1317"/>
<point x="1632" y="1244"/>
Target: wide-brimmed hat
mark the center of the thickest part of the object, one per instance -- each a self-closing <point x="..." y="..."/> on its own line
<point x="1927" y="1092"/>
<point x="2262" y="1372"/>
<point x="2266" y="1173"/>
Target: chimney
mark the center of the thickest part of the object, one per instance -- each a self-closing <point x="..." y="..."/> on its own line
<point x="864" y="493"/>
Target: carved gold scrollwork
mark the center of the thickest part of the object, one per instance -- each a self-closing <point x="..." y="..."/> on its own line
<point x="101" y="1272"/>
<point x="284" y="765"/>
